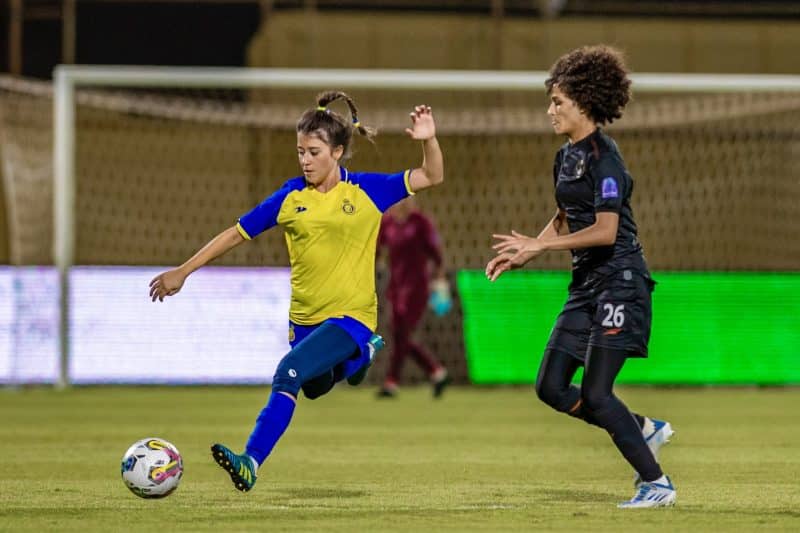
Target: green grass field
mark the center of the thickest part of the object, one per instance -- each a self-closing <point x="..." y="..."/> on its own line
<point x="481" y="459"/>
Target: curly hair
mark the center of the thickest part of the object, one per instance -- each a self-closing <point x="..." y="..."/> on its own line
<point x="334" y="129"/>
<point x="596" y="78"/>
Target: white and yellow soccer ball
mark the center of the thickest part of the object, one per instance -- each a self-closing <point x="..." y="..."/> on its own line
<point x="152" y="468"/>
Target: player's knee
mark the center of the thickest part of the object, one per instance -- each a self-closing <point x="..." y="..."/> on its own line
<point x="287" y="378"/>
<point x="552" y="395"/>
<point x="595" y="402"/>
<point x="545" y="392"/>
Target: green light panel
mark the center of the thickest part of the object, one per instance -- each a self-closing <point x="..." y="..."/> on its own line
<point x="714" y="328"/>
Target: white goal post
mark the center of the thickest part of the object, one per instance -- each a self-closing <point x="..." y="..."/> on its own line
<point x="68" y="78"/>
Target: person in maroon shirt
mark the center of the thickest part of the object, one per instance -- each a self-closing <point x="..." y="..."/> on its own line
<point x="414" y="255"/>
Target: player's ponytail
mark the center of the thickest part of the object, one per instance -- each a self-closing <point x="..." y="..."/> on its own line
<point x="331" y="96"/>
<point x="331" y="126"/>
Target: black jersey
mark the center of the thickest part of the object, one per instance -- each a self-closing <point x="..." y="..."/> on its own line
<point x="590" y="177"/>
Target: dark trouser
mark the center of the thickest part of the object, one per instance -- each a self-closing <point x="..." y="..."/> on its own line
<point x="595" y="401"/>
<point x="404" y="320"/>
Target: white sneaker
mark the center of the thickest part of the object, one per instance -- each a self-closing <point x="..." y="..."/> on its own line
<point x="652" y="494"/>
<point x="656" y="434"/>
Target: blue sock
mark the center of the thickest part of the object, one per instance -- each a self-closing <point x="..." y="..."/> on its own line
<point x="270" y="425"/>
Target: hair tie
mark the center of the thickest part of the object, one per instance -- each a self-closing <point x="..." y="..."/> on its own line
<point x="356" y="124"/>
<point x="322" y="108"/>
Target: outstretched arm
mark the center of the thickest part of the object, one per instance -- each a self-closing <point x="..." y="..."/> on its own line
<point x="602" y="233"/>
<point x="511" y="254"/>
<point x="516" y="249"/>
<point x="170" y="282"/>
<point x="423" y="128"/>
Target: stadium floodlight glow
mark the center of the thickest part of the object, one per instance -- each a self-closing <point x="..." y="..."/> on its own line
<point x="68" y="78"/>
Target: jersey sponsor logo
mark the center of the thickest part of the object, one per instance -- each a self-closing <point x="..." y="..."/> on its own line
<point x="300" y="209"/>
<point x="612" y="331"/>
<point x="609" y="188"/>
<point x="292" y="373"/>
<point x="347" y="207"/>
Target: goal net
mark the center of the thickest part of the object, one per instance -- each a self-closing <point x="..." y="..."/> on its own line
<point x="164" y="160"/>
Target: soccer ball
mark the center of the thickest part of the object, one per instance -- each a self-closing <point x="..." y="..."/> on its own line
<point x="152" y="468"/>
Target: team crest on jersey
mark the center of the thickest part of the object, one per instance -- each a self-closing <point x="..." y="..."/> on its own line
<point x="573" y="165"/>
<point x="609" y="188"/>
<point x="580" y="166"/>
<point x="347" y="207"/>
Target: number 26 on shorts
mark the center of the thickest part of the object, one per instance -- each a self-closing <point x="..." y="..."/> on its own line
<point x="614" y="315"/>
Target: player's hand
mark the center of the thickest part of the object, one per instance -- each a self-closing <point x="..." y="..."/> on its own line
<point x="422" y="124"/>
<point x="498" y="265"/>
<point x="518" y="243"/>
<point x="166" y="284"/>
<point x="513" y="251"/>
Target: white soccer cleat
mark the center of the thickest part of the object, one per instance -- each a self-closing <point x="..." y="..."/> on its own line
<point x="656" y="434"/>
<point x="652" y="494"/>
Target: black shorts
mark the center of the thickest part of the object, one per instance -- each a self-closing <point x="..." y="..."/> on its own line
<point x="614" y="313"/>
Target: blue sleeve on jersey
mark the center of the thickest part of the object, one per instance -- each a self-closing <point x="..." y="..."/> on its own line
<point x="384" y="189"/>
<point x="611" y="184"/>
<point x="265" y="215"/>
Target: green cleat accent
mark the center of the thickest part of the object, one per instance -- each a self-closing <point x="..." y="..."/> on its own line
<point x="239" y="467"/>
<point x="374" y="345"/>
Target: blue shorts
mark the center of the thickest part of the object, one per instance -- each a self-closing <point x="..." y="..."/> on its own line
<point x="358" y="331"/>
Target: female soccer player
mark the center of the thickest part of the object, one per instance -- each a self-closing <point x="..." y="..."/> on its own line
<point x="606" y="318"/>
<point x="331" y="218"/>
<point x="412" y="243"/>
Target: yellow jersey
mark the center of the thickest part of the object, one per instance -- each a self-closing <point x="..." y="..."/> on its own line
<point x="331" y="238"/>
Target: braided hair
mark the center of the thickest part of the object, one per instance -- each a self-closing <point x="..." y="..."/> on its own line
<point x="332" y="128"/>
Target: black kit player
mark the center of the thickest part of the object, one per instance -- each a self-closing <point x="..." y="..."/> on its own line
<point x="606" y="318"/>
